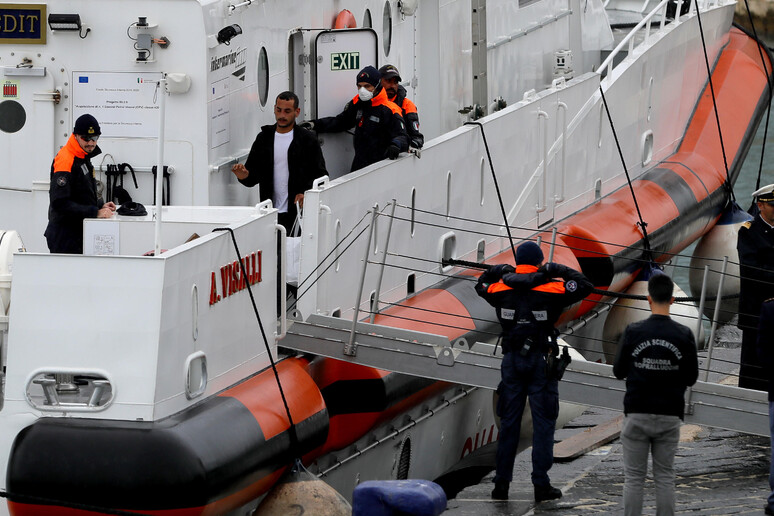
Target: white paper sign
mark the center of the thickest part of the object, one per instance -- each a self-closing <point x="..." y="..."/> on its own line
<point x="124" y="103"/>
<point x="100" y="237"/>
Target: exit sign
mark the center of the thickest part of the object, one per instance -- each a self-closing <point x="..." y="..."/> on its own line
<point x="345" y="61"/>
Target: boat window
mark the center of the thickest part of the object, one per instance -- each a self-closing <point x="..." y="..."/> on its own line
<point x="12" y="116"/>
<point x="367" y="23"/>
<point x="482" y="181"/>
<point x="480" y="250"/>
<point x="263" y="76"/>
<point x="411" y="284"/>
<point x="448" y="194"/>
<point x="376" y="229"/>
<point x="338" y="244"/>
<point x="413" y="210"/>
<point x="597" y="189"/>
<point x="373" y="303"/>
<point x="387" y="28"/>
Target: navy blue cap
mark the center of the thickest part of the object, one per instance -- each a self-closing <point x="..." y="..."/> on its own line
<point x="529" y="253"/>
<point x="370" y="75"/>
<point x="86" y="125"/>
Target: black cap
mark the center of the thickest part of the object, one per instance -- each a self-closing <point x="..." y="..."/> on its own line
<point x="86" y="125"/>
<point x="370" y="75"/>
<point x="529" y="253"/>
<point x="388" y="72"/>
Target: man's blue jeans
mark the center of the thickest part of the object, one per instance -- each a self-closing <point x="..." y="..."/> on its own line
<point x="658" y="435"/>
<point x="522" y="377"/>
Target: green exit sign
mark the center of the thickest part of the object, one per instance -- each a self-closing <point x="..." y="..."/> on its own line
<point x="345" y="61"/>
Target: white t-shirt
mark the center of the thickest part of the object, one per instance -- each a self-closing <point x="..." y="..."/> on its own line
<point x="281" y="173"/>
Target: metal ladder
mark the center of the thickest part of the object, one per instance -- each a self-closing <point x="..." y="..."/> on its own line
<point x="433" y="356"/>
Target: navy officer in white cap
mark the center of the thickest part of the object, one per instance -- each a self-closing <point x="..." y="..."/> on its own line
<point x="755" y="244"/>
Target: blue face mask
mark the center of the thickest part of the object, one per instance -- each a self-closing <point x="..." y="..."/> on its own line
<point x="364" y="94"/>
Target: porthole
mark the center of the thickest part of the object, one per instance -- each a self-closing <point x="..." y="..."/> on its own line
<point x="263" y="76"/>
<point x="387" y="28"/>
<point x="367" y="22"/>
<point x="12" y="116"/>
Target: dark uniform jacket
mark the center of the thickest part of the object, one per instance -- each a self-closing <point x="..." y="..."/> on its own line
<point x="755" y="243"/>
<point x="410" y="117"/>
<point x="72" y="197"/>
<point x="765" y="344"/>
<point x="305" y="164"/>
<point x="378" y="124"/>
<point x="529" y="301"/>
<point x="657" y="357"/>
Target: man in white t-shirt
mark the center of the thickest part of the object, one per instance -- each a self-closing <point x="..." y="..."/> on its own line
<point x="285" y="159"/>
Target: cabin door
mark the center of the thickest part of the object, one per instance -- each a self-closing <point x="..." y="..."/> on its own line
<point x="340" y="55"/>
<point x="27" y="125"/>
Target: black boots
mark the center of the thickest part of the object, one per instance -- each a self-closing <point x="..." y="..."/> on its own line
<point x="500" y="491"/>
<point x="543" y="493"/>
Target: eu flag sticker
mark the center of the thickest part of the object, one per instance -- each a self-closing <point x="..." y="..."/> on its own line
<point x="82" y="79"/>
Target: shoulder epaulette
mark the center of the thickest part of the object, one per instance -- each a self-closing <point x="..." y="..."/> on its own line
<point x="747" y="224"/>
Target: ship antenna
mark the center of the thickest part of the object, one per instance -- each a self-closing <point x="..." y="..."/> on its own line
<point x="643" y="225"/>
<point x="292" y="429"/>
<point x="497" y="187"/>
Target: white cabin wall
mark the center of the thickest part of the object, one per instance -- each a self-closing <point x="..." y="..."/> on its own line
<point x="455" y="44"/>
<point x="428" y="91"/>
<point x="505" y="19"/>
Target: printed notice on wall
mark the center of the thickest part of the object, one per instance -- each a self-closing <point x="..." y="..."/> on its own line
<point x="124" y="103"/>
<point x="100" y="237"/>
<point x="219" y="113"/>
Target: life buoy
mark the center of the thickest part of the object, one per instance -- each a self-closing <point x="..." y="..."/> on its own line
<point x="345" y="20"/>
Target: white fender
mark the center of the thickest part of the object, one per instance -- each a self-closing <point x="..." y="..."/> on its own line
<point x="10" y="242"/>
<point x="627" y="311"/>
<point x="720" y="241"/>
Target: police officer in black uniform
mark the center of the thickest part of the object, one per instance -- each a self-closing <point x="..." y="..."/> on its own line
<point x="755" y="244"/>
<point x="766" y="357"/>
<point x="397" y="94"/>
<point x="529" y="301"/>
<point x="379" y="128"/>
<point x="73" y="190"/>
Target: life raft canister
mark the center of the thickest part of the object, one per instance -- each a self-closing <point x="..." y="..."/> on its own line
<point x="345" y="20"/>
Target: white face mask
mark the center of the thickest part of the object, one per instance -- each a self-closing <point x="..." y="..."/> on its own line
<point x="364" y="94"/>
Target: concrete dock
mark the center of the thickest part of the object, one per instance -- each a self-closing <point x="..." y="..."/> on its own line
<point x="718" y="471"/>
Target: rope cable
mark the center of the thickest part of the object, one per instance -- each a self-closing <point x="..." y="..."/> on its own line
<point x="643" y="225"/>
<point x="727" y="182"/>
<point x="497" y="186"/>
<point x="294" y="444"/>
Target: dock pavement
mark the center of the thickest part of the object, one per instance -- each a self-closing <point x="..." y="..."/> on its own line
<point x="719" y="472"/>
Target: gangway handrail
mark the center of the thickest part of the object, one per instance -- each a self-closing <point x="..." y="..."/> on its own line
<point x="434" y="357"/>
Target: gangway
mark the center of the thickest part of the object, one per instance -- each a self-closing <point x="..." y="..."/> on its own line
<point x="435" y="357"/>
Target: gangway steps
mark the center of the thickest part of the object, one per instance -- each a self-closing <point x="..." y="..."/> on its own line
<point x="433" y="356"/>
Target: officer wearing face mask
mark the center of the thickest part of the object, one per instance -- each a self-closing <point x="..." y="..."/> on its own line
<point x="379" y="128"/>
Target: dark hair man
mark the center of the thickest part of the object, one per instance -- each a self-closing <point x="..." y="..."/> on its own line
<point x="529" y="301"/>
<point x="755" y="243"/>
<point x="397" y="94"/>
<point x="379" y="129"/>
<point x="657" y="357"/>
<point x="284" y="159"/>
<point x="73" y="191"/>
